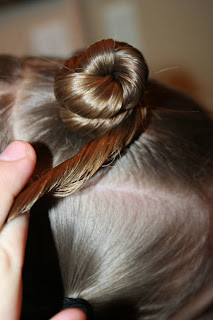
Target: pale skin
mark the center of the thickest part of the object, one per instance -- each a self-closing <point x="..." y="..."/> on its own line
<point x="17" y="163"/>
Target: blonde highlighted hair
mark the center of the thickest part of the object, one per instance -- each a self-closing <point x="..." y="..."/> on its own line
<point x="130" y="160"/>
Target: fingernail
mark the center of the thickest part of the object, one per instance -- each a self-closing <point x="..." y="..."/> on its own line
<point x="16" y="150"/>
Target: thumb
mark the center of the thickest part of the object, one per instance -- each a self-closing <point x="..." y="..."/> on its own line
<point x="17" y="163"/>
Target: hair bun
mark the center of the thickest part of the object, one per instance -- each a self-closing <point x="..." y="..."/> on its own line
<point x="99" y="88"/>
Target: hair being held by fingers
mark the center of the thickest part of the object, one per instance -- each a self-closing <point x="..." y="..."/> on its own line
<point x="100" y="94"/>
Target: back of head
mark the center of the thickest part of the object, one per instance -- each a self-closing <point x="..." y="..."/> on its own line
<point x="134" y="239"/>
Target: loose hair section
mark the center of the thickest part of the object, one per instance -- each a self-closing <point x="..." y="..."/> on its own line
<point x="100" y="94"/>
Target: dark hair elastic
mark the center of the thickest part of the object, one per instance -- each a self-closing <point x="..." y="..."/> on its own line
<point x="80" y="304"/>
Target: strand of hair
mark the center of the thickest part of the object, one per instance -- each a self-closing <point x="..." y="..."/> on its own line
<point x="54" y="62"/>
<point x="64" y="179"/>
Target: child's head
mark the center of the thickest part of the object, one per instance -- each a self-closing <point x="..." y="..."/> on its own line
<point x="135" y="239"/>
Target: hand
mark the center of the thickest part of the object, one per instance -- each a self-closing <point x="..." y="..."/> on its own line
<point x="17" y="163"/>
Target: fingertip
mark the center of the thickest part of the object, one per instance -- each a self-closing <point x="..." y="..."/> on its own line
<point x="18" y="150"/>
<point x="70" y="314"/>
<point x="17" y="163"/>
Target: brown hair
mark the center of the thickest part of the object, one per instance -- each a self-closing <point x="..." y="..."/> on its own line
<point x="100" y="93"/>
<point x="135" y="240"/>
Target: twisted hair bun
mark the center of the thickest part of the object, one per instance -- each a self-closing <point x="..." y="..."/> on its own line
<point x="100" y="88"/>
<point x="100" y="94"/>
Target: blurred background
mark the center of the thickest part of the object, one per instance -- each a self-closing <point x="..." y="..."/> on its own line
<point x="175" y="36"/>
